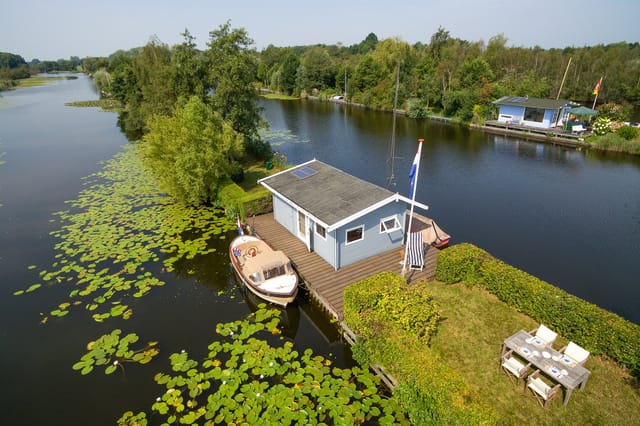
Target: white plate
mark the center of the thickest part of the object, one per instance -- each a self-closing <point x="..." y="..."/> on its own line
<point x="564" y="372"/>
<point x="555" y="358"/>
<point x="536" y="353"/>
<point x="546" y="354"/>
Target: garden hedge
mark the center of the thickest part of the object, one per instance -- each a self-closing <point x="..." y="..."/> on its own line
<point x="599" y="331"/>
<point x="394" y="323"/>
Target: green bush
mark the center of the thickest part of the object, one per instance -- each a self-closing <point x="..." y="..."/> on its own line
<point x="395" y="323"/>
<point x="416" y="109"/>
<point x="236" y="202"/>
<point x="602" y="126"/>
<point x="596" y="329"/>
<point x="460" y="264"/>
<point x="375" y="302"/>
<point x="628" y="132"/>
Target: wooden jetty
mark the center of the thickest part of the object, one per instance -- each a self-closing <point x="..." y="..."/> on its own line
<point x="324" y="283"/>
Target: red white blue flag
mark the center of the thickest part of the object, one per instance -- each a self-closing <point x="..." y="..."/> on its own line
<point x="413" y="174"/>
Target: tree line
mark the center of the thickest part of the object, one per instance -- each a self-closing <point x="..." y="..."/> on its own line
<point x="164" y="88"/>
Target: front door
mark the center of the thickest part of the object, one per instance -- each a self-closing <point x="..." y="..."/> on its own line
<point x="303" y="228"/>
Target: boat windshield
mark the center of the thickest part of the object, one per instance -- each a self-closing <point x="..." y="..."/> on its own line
<point x="275" y="271"/>
<point x="256" y="278"/>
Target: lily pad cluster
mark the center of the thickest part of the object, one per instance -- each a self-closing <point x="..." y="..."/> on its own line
<point x="118" y="227"/>
<point x="244" y="379"/>
<point x="277" y="138"/>
<point x="112" y="351"/>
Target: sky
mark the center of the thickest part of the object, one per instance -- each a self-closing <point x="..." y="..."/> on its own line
<point x="51" y="30"/>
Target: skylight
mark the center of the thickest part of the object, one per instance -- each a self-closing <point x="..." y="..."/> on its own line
<point x="304" y="172"/>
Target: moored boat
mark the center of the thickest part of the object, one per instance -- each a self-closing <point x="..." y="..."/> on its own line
<point x="267" y="273"/>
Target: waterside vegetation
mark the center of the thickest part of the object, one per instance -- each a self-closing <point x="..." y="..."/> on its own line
<point x="448" y="372"/>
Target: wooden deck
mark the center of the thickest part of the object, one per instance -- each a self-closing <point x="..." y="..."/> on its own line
<point x="324" y="283"/>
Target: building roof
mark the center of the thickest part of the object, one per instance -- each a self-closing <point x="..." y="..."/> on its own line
<point x="525" y="101"/>
<point x="330" y="196"/>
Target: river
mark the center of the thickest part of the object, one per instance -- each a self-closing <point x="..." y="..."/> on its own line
<point x="49" y="148"/>
<point x="569" y="217"/>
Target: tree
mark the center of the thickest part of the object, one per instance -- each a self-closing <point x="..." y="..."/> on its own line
<point x="288" y="74"/>
<point x="191" y="153"/>
<point x="187" y="68"/>
<point x="232" y="71"/>
<point x="153" y="73"/>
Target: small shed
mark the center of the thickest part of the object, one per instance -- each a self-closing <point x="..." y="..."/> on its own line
<point x="342" y="218"/>
<point x="533" y="112"/>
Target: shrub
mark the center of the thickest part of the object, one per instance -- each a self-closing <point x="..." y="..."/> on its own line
<point x="628" y="132"/>
<point x="598" y="330"/>
<point x="416" y="109"/>
<point x="395" y="323"/>
<point x="602" y="125"/>
<point x="375" y="302"/>
<point x="614" y="111"/>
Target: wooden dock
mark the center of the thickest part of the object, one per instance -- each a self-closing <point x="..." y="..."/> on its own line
<point x="324" y="283"/>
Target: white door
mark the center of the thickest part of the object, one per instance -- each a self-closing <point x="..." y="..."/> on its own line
<point x="303" y="228"/>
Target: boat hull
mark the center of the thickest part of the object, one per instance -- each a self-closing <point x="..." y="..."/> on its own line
<point x="246" y="252"/>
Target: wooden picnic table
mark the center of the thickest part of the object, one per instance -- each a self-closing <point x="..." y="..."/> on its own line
<point x="549" y="361"/>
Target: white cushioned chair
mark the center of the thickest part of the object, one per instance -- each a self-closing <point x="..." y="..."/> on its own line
<point x="513" y="367"/>
<point x="576" y="353"/>
<point x="545" y="334"/>
<point x="540" y="389"/>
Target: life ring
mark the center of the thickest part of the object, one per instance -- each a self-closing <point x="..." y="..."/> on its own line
<point x="252" y="251"/>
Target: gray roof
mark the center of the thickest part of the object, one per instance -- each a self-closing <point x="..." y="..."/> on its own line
<point x="525" y="101"/>
<point x="329" y="195"/>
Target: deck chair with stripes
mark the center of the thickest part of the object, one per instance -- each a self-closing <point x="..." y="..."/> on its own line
<point x="416" y="251"/>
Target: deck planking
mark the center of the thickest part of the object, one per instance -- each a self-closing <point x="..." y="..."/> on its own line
<point x="325" y="284"/>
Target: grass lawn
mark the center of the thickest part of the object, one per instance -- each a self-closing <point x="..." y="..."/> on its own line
<point x="474" y="325"/>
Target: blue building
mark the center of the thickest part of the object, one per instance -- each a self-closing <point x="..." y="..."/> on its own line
<point x="533" y="112"/>
<point x="340" y="217"/>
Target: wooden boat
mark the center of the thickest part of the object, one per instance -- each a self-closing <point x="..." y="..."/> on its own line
<point x="267" y="273"/>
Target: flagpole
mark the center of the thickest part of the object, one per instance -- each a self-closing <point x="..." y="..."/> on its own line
<point x="598" y="87"/>
<point x="413" y="199"/>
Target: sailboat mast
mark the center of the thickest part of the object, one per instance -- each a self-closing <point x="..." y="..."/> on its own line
<point x="392" y="148"/>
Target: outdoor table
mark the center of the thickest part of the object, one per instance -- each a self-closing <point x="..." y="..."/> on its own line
<point x="549" y="361"/>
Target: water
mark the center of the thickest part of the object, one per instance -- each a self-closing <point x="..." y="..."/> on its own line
<point x="571" y="218"/>
<point x="49" y="149"/>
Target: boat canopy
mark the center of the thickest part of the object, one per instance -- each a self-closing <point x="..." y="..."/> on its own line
<point x="264" y="261"/>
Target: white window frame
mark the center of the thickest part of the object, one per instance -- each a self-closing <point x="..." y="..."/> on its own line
<point x="383" y="226"/>
<point x="346" y="235"/>
<point x="315" y="229"/>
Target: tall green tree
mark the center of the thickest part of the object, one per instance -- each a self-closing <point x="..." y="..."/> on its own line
<point x="191" y="153"/>
<point x="232" y="70"/>
<point x="188" y="76"/>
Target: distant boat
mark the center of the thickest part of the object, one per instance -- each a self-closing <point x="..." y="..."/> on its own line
<point x="267" y="273"/>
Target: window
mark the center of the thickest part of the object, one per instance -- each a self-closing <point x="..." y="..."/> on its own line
<point x="389" y="224"/>
<point x="534" y="114"/>
<point x="355" y="234"/>
<point x="322" y="233"/>
<point x="275" y="271"/>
